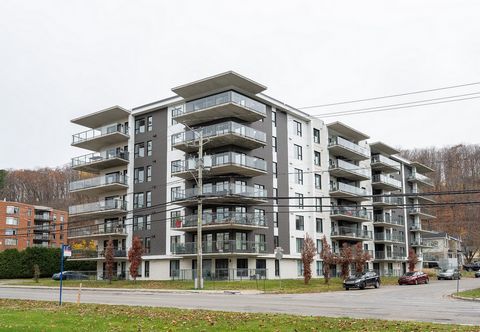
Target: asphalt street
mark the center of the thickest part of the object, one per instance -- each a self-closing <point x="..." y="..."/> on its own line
<point x="430" y="303"/>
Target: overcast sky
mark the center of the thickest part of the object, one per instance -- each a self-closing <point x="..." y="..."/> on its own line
<point x="63" y="59"/>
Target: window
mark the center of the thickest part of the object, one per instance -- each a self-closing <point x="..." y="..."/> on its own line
<point x="10" y="242"/>
<point x="317" y="158"/>
<point x="299" y="223"/>
<point x="242" y="267"/>
<point x="149" y="123"/>
<point x="146" y="244"/>
<point x="319" y="225"/>
<point x="297" y="127"/>
<point x="139" y="126"/>
<point x="12" y="210"/>
<point x="174" y="268"/>
<point x="138" y="200"/>
<point x="299" y="268"/>
<point x="149" y="198"/>
<point x="275" y="219"/>
<point x="299" y="243"/>
<point x="316" y="135"/>
<point x="276" y="242"/>
<point x="176" y="166"/>
<point x="10" y="231"/>
<point x="174" y="243"/>
<point x="138" y="223"/>
<point x="139" y="150"/>
<point x="318" y="181"/>
<point x="259" y="190"/>
<point x="175" y="193"/>
<point x="12" y="221"/>
<point x="146" y="268"/>
<point x="319" y="268"/>
<point x="149" y="173"/>
<point x="62" y="218"/>
<point x="318" y="204"/>
<point x="138" y="175"/>
<point x="275" y="169"/>
<point x="297" y="149"/>
<point x="176" y="111"/>
<point x="274" y="118"/>
<point x="259" y="215"/>
<point x="299" y="198"/>
<point x="319" y="246"/>
<point x="274" y="144"/>
<point x="277" y="268"/>
<point x="149" y="148"/>
<point x="148" y="222"/>
<point x="298" y="176"/>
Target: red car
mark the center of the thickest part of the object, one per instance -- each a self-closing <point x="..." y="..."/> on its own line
<point x="413" y="278"/>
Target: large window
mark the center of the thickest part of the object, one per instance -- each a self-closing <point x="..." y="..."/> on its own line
<point x="12" y="210"/>
<point x="176" y="166"/>
<point x="297" y="150"/>
<point x="10" y="242"/>
<point x="297" y="127"/>
<point x="319" y="268"/>
<point x="138" y="175"/>
<point x="317" y="158"/>
<point x="174" y="268"/>
<point x="299" y="268"/>
<point x="139" y="150"/>
<point x="318" y="181"/>
<point x="299" y="223"/>
<point x="319" y="225"/>
<point x="138" y="200"/>
<point x="175" y="193"/>
<point x="12" y="221"/>
<point x="316" y="135"/>
<point x="139" y="126"/>
<point x="298" y="176"/>
<point x="299" y="242"/>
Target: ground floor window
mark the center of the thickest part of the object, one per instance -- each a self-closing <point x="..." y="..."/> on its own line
<point x="300" y="268"/>
<point x="277" y="268"/>
<point x="174" y="268"/>
<point x="319" y="268"/>
<point x="242" y="267"/>
<point x="147" y="269"/>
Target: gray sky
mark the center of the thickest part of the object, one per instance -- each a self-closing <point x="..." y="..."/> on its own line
<point x="63" y="59"/>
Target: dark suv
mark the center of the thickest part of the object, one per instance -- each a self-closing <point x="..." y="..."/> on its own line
<point x="362" y="280"/>
<point x="475" y="266"/>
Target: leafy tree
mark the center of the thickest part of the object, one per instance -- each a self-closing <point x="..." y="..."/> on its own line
<point x="308" y="254"/>
<point x="345" y="259"/>
<point x="412" y="260"/>
<point x="135" y="257"/>
<point x="328" y="259"/>
<point x="360" y="258"/>
<point x="109" y="260"/>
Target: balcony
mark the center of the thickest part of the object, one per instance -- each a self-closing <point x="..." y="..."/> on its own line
<point x="343" y="169"/>
<point x="380" y="181"/>
<point x="95" y="162"/>
<point x="100" y="184"/>
<point x="422" y="213"/>
<point x="91" y="254"/>
<point x="420" y="179"/>
<point x="220" y="248"/>
<point x="386" y="201"/>
<point x="351" y="234"/>
<point x="339" y="146"/>
<point x="419" y="244"/>
<point x="225" y="105"/>
<point x="221" y="164"/>
<point x="231" y="220"/>
<point x="350" y="214"/>
<point x="96" y="139"/>
<point x="43" y="217"/>
<point x="388" y="256"/>
<point x="347" y="191"/>
<point x="42" y="238"/>
<point x="99" y="209"/>
<point x="422" y="199"/>
<point x="418" y="228"/>
<point x="388" y="238"/>
<point x="222" y="134"/>
<point x="384" y="164"/>
<point x="232" y="193"/>
<point x="41" y="228"/>
<point x="387" y="220"/>
<point x="97" y="231"/>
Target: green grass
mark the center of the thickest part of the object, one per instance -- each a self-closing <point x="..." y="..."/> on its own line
<point x="473" y="293"/>
<point x="270" y="286"/>
<point x="16" y="315"/>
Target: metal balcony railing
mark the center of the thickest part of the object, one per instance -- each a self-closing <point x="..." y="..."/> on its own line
<point x="218" y="247"/>
<point x="341" y="164"/>
<point x="220" y="274"/>
<point x="340" y="186"/>
<point x="43" y="217"/>
<point x="236" y="218"/>
<point x="378" y="158"/>
<point x="99" y="132"/>
<point x="351" y="212"/>
<point x="420" y="177"/>
<point x="352" y="232"/>
<point x="387" y="200"/>
<point x="107" y="229"/>
<point x="213" y="191"/>
<point x="92" y="253"/>
<point x="98" y="206"/>
<point x="387" y="180"/>
<point x="99" y="181"/>
<point x="97" y="157"/>
<point x="388" y="219"/>
<point x="336" y="140"/>
<point x="388" y="237"/>
<point x="388" y="255"/>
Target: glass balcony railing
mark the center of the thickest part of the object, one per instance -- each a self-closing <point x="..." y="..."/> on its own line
<point x="98" y="206"/>
<point x="420" y="177"/>
<point x="388" y="255"/>
<point x="217" y="247"/>
<point x="99" y="132"/>
<point x="220" y="99"/>
<point x="378" y="158"/>
<point x="221" y="159"/>
<point x="387" y="200"/>
<point x="99" y="181"/>
<point x="44" y="217"/>
<point x="351" y="212"/>
<point x="389" y="237"/>
<point x="104" y="229"/>
<point x="92" y="253"/>
<point x="336" y="140"/>
<point x="340" y="186"/>
<point x="341" y="164"/>
<point x="98" y="156"/>
<point x="421" y="211"/>
<point x="352" y="232"/>
<point x="209" y="219"/>
<point x="231" y="189"/>
<point x="387" y="180"/>
<point x="388" y="219"/>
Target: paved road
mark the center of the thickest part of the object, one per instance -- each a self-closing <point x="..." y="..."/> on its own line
<point x="422" y="303"/>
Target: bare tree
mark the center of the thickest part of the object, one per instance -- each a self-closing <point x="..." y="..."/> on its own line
<point x="308" y="254"/>
<point x="412" y="260"/>
<point x="328" y="259"/>
<point x="360" y="258"/>
<point x="345" y="259"/>
<point x="135" y="257"/>
<point x="109" y="260"/>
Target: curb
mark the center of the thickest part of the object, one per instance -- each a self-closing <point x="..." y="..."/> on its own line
<point x="471" y="299"/>
<point x="143" y="290"/>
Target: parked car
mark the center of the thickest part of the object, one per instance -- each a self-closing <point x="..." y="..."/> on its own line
<point x="70" y="275"/>
<point x="477" y="274"/>
<point x="449" y="274"/>
<point x="475" y="266"/>
<point x="413" y="278"/>
<point x="362" y="280"/>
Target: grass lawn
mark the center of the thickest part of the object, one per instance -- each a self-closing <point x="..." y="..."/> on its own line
<point x="16" y="315"/>
<point x="473" y="293"/>
<point x="270" y="286"/>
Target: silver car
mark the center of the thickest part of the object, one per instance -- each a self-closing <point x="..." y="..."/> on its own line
<point x="449" y="274"/>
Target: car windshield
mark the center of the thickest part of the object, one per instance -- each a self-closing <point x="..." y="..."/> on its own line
<point x="409" y="274"/>
<point x="358" y="275"/>
<point x="447" y="270"/>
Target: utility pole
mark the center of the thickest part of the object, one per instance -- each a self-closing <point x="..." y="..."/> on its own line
<point x="199" y="284"/>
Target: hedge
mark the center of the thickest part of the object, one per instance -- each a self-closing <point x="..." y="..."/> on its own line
<point x="19" y="264"/>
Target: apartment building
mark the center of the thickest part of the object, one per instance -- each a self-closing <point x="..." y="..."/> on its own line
<point x="270" y="175"/>
<point x="25" y="225"/>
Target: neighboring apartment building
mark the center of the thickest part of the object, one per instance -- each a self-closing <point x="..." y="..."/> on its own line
<point x="444" y="250"/>
<point x="271" y="174"/>
<point x="25" y="225"/>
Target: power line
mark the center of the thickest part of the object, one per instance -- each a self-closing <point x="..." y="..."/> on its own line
<point x="390" y="96"/>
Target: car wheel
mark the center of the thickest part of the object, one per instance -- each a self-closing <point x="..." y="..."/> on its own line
<point x="416" y="281"/>
<point x="377" y="284"/>
<point x="346" y="288"/>
<point x="427" y="281"/>
<point x="362" y="285"/>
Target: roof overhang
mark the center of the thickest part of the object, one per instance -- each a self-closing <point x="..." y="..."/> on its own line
<point x="380" y="147"/>
<point x="347" y="131"/>
<point x="421" y="168"/>
<point x="103" y="117"/>
<point x="229" y="79"/>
